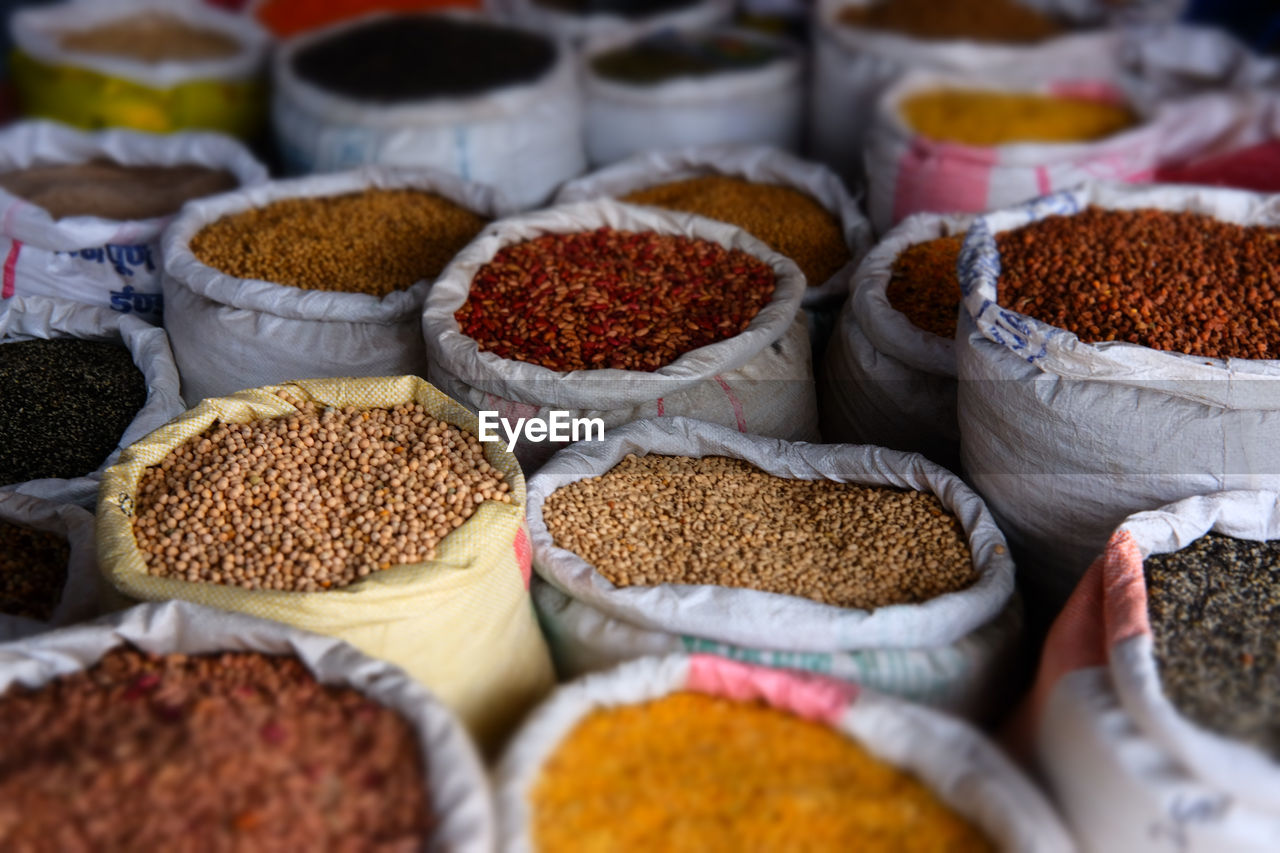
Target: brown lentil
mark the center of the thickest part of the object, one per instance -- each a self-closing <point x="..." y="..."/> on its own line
<point x="612" y="299"/>
<point x="114" y="191"/>
<point x="924" y="285"/>
<point x="375" y="241"/>
<point x="1000" y="118"/>
<point x="1215" y="622"/>
<point x="791" y="222"/>
<point x="152" y="37"/>
<point x="974" y="20"/>
<point x="667" y="519"/>
<point x="315" y="500"/>
<point x="64" y="406"/>
<point x="701" y="773"/>
<point x="223" y="752"/>
<point x="1182" y="282"/>
<point x="33" y="570"/>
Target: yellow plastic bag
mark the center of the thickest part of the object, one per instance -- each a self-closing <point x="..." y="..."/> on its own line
<point x="461" y="624"/>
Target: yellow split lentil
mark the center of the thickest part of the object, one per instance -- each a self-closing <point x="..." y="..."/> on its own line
<point x="971" y="117"/>
<point x="701" y="773"/>
<point x="669" y="519"/>
<point x="789" y="221"/>
<point x="376" y="241"/>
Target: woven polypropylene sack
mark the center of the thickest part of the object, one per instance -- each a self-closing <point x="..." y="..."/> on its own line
<point x="965" y="771"/>
<point x="461" y="624"/>
<point x="457" y="786"/>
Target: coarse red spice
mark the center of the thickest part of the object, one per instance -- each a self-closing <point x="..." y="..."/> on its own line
<point x="925" y="287"/>
<point x="33" y="571"/>
<point x="238" y="751"/>
<point x="612" y="299"/>
<point x="1182" y="282"/>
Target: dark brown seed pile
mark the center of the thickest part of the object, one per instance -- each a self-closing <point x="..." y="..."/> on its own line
<point x="1215" y="619"/>
<point x="64" y="404"/>
<point x="374" y="242"/>
<point x="33" y="570"/>
<point x="226" y="752"/>
<point x="312" y="501"/>
<point x="113" y="191"/>
<point x="1182" y="282"/>
<point x="606" y="298"/>
<point x="970" y="20"/>
<point x="670" y="519"/>
<point x="924" y="284"/>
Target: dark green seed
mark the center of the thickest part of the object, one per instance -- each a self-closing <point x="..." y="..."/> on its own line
<point x="1215" y="618"/>
<point x="66" y="403"/>
<point x="33" y="570"/>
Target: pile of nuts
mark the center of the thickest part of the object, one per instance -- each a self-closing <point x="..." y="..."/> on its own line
<point x="1182" y="282"/>
<point x="792" y="223"/>
<point x="375" y="241"/>
<point x="612" y="299"/>
<point x="227" y="752"/>
<point x="33" y="571"/>
<point x="311" y="501"/>
<point x="696" y="772"/>
<point x="670" y="519"/>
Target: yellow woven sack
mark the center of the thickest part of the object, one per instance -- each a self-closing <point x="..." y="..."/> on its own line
<point x="461" y="624"/>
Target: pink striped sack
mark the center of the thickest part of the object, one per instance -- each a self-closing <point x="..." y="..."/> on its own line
<point x="103" y="262"/>
<point x="759" y="382"/>
<point x="1128" y="771"/>
<point x="960" y="766"/>
<point x="908" y="173"/>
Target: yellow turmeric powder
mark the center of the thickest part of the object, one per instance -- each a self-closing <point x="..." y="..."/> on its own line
<point x="1000" y="118"/>
<point x="700" y="773"/>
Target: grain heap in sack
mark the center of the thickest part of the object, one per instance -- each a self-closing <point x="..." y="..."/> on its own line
<point x="583" y="21"/>
<point x="870" y="565"/>
<point x="862" y="47"/>
<point x="174" y="722"/>
<point x="83" y="212"/>
<point x="487" y="101"/>
<point x="364" y="509"/>
<point x="151" y="65"/>
<point x="889" y="374"/>
<point x="707" y="753"/>
<point x="800" y="209"/>
<point x="674" y="88"/>
<point x="48" y="568"/>
<point x="80" y="383"/>
<point x="313" y="277"/>
<point x="1117" y="351"/>
<point x="615" y="312"/>
<point x="1153" y="717"/>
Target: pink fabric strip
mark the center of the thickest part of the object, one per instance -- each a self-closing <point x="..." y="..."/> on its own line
<point x="9" y="286"/>
<point x="736" y="403"/>
<point x="813" y="697"/>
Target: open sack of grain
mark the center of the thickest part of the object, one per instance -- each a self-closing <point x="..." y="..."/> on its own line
<point x="151" y="65"/>
<point x="485" y="100"/>
<point x="701" y="751"/>
<point x="81" y="214"/>
<point x="1153" y="718"/>
<point x="48" y="565"/>
<point x="870" y="565"/>
<point x="889" y="373"/>
<point x="173" y="722"/>
<point x="1116" y="351"/>
<point x="80" y="384"/>
<point x="312" y="277"/>
<point x="617" y="312"/>
<point x="364" y="509"/>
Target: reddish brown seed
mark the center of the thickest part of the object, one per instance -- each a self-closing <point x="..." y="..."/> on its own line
<point x="1182" y="282"/>
<point x="224" y="752"/>
<point x="33" y="570"/>
<point x="612" y="299"/>
<point x="924" y="285"/>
